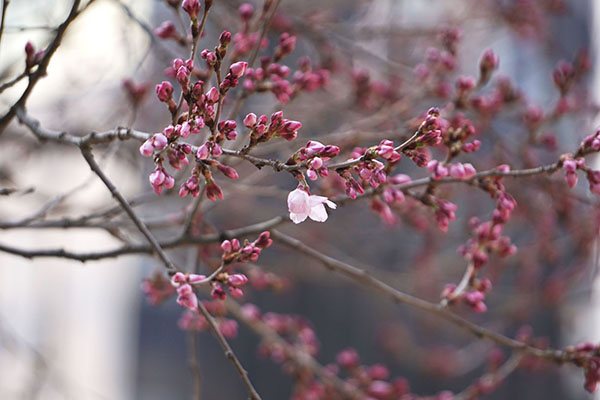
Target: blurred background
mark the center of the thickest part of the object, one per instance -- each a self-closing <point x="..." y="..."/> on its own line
<point x="86" y="331"/>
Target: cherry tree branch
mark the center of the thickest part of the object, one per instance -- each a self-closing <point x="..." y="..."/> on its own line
<point x="363" y="278"/>
<point x="171" y="268"/>
<point x="43" y="64"/>
<point x="229" y="352"/>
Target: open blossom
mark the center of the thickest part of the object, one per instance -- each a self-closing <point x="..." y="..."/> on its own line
<point x="302" y="205"/>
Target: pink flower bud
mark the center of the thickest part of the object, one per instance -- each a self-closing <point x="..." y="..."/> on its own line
<point x="147" y="149"/>
<point x="178" y="279"/>
<point x="213" y="95"/>
<point x="192" y="7"/>
<point x="195" y="278"/>
<point x="264" y="240"/>
<point x="228" y="171"/>
<point x="216" y="150"/>
<point x="235" y="292"/>
<point x="213" y="191"/>
<point x="246" y="11"/>
<point x="203" y="151"/>
<point x="159" y="141"/>
<point x="225" y="38"/>
<point x="250" y="120"/>
<point x="226" y="246"/>
<point x="157" y="177"/>
<point x="166" y="30"/>
<point x="237" y="279"/>
<point x="164" y="91"/>
<point x="316" y="163"/>
<point x="237" y="69"/>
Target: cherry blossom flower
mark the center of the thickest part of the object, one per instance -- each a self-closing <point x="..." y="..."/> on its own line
<point x="302" y="205"/>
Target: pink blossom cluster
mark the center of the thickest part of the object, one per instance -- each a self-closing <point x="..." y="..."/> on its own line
<point x="186" y="297"/>
<point x="196" y="322"/>
<point x="295" y="329"/>
<point x="157" y="289"/>
<point x="272" y="77"/>
<point x="314" y="155"/>
<point x="245" y="40"/>
<point x="32" y="56"/>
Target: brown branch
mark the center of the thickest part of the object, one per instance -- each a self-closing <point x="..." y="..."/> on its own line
<point x="43" y="65"/>
<point x="86" y="152"/>
<point x="229" y="352"/>
<point x="148" y="249"/>
<point x="194" y="365"/>
<point x="4" y="7"/>
<point x="363" y="278"/>
<point x="490" y="379"/>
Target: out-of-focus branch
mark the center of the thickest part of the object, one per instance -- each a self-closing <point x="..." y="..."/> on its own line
<point x="365" y="279"/>
<point x="229" y="352"/>
<point x="43" y="64"/>
<point x="147" y="249"/>
<point x="299" y="357"/>
<point x="491" y="379"/>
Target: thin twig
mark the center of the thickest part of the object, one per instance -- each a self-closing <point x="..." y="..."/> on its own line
<point x="43" y="64"/>
<point x="4" y="7"/>
<point x="229" y="352"/>
<point x="87" y="154"/>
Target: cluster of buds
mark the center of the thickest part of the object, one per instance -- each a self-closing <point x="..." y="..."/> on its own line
<point x="502" y="94"/>
<point x="262" y="129"/>
<point x="455" y="170"/>
<point x="286" y="46"/>
<point x="370" y="94"/>
<point x="587" y="356"/>
<point x="164" y="92"/>
<point x="487" y="239"/>
<point x="185" y="292"/>
<point x="308" y="79"/>
<point x="135" y="92"/>
<point x="464" y="87"/>
<point x="533" y="117"/>
<point x="168" y="31"/>
<point x="473" y="298"/>
<point x="444" y="213"/>
<point x="372" y="379"/>
<point x="193" y="321"/>
<point x="487" y="64"/>
<point x="294" y="328"/>
<point x="156" y="142"/>
<point x="231" y="282"/>
<point x="160" y="178"/>
<point x="429" y="131"/>
<point x="245" y="40"/>
<point x="571" y="165"/>
<point x="32" y="57"/>
<point x="272" y="77"/>
<point x="563" y="76"/>
<point x="593" y="178"/>
<point x="314" y="154"/>
<point x="231" y="80"/>
<point x="157" y="289"/>
<point x="591" y="142"/>
<point x="233" y="251"/>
